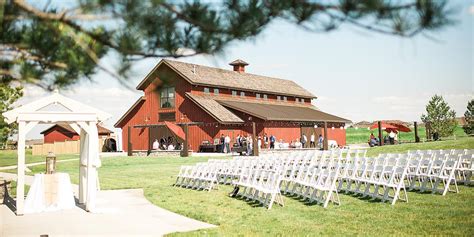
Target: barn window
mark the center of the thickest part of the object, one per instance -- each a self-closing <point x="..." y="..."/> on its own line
<point x="216" y="91"/>
<point x="257" y="96"/>
<point x="206" y="90"/>
<point x="234" y="93"/>
<point x="265" y="96"/>
<point x="242" y="94"/>
<point x="167" y="116"/>
<point x="167" y="96"/>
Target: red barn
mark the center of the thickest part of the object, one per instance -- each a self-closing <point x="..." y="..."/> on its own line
<point x="218" y="101"/>
<point x="64" y="132"/>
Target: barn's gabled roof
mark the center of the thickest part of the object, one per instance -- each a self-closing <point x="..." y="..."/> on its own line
<point x="210" y="76"/>
<point x="133" y="108"/>
<point x="213" y="108"/>
<point x="100" y="129"/>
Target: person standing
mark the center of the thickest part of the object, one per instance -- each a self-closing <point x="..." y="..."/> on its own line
<point x="227" y="144"/>
<point x="249" y="145"/>
<point x="272" y="142"/>
<point x="221" y="143"/>
<point x="312" y="141"/>
<point x="320" y="142"/>
<point x="303" y="140"/>
<point x="237" y="139"/>
<point x="265" y="141"/>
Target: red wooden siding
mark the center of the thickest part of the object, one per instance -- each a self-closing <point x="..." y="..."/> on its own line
<point x="59" y="134"/>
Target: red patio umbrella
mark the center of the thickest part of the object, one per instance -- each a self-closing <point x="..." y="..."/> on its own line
<point x="385" y="126"/>
<point x="177" y="130"/>
<point x="400" y="127"/>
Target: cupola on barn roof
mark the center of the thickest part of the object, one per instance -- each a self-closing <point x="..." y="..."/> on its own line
<point x="238" y="62"/>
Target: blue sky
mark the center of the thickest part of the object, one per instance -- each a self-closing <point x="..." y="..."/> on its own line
<point x="356" y="74"/>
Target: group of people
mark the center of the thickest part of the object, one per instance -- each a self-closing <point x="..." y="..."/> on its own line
<point x="268" y="142"/>
<point x="166" y="143"/>
<point x="302" y="142"/>
<point x="224" y="143"/>
<point x="390" y="138"/>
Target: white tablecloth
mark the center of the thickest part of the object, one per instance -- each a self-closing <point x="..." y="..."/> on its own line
<point x="63" y="196"/>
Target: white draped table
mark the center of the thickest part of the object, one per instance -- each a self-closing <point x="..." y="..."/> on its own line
<point x="50" y="192"/>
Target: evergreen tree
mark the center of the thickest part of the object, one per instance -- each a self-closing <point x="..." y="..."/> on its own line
<point x="52" y="43"/>
<point x="8" y="96"/>
<point x="440" y="117"/>
<point x="469" y="116"/>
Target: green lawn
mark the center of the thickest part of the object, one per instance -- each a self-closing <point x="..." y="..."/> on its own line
<point x="425" y="214"/>
<point x="9" y="157"/>
<point x="362" y="135"/>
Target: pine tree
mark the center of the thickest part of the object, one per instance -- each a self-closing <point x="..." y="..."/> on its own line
<point x="8" y="96"/>
<point x="52" y="44"/>
<point x="469" y="116"/>
<point x="440" y="117"/>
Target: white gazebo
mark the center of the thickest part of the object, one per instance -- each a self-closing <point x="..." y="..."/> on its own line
<point x="82" y="118"/>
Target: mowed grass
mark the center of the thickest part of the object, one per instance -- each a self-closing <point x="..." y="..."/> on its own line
<point x="9" y="157"/>
<point x="361" y="135"/>
<point x="424" y="214"/>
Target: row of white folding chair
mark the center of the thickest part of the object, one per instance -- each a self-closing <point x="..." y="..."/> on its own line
<point x="353" y="153"/>
<point x="200" y="176"/>
<point x="350" y="165"/>
<point x="434" y="172"/>
<point x="464" y="168"/>
<point x="379" y="178"/>
<point x="293" y="169"/>
<point x="318" y="182"/>
<point x="451" y="151"/>
<point x="260" y="185"/>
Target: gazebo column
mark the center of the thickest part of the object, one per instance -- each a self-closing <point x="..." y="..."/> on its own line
<point x="23" y="129"/>
<point x="91" y="166"/>
<point x="20" y="186"/>
<point x="82" y="165"/>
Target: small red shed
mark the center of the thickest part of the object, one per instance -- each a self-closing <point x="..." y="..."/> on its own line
<point x="63" y="132"/>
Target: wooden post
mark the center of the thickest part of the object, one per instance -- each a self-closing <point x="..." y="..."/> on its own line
<point x="325" y="139"/>
<point x="185" y="152"/>
<point x="129" y="141"/>
<point x="255" y="139"/>
<point x="149" y="141"/>
<point x="379" y="123"/>
<point x="417" y="139"/>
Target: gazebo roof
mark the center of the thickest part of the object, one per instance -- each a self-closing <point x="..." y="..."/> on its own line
<point x="33" y="111"/>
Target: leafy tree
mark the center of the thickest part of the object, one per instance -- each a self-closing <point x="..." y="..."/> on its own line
<point x="8" y="96"/>
<point x="440" y="117"/>
<point x="469" y="116"/>
<point x="52" y="45"/>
